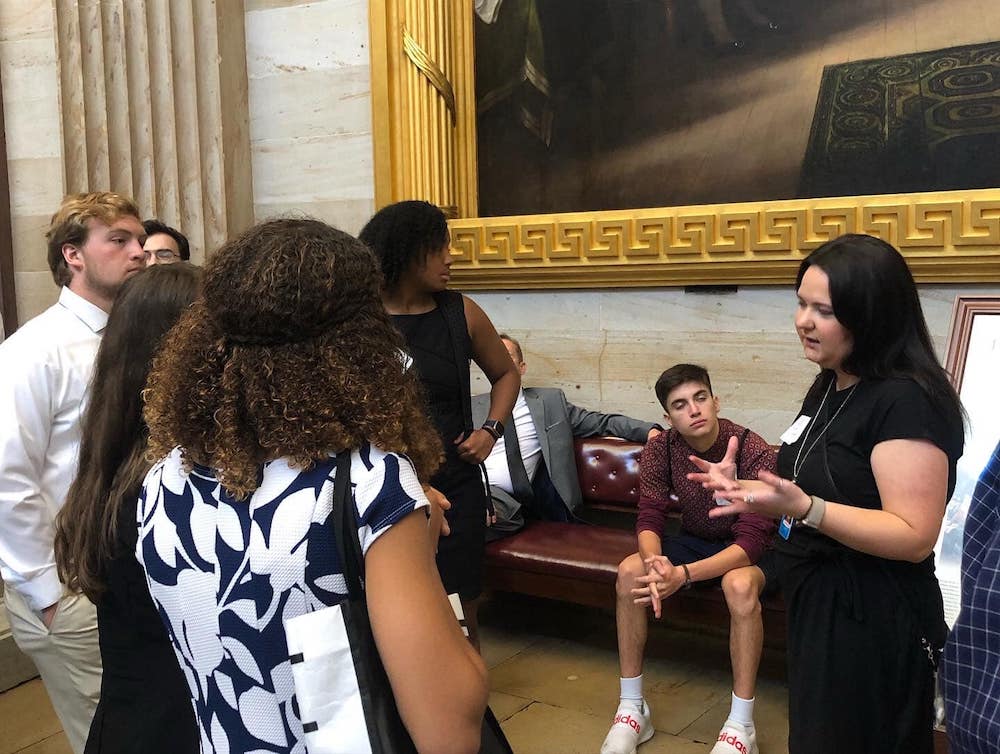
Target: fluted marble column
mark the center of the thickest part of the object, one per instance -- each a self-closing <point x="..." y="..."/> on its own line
<point x="154" y="104"/>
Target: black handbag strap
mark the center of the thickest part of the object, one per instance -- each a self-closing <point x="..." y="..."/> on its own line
<point x="345" y="527"/>
<point x="453" y="309"/>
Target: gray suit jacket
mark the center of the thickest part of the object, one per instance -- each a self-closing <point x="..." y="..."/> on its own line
<point x="557" y="422"/>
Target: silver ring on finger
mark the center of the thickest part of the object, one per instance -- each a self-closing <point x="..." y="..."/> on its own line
<point x="749" y="499"/>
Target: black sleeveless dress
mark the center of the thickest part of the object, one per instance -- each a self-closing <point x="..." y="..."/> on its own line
<point x="145" y="705"/>
<point x="430" y="343"/>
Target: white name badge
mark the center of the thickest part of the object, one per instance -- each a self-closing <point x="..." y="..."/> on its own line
<point x="795" y="431"/>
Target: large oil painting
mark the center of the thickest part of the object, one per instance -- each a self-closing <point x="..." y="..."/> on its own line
<point x="615" y="104"/>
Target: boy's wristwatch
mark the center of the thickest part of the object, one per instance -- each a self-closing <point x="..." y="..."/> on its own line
<point x="494" y="427"/>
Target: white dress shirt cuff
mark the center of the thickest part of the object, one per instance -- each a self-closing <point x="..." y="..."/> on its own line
<point x="41" y="591"/>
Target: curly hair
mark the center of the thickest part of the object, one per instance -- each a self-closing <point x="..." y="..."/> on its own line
<point x="290" y="354"/>
<point x="402" y="235"/>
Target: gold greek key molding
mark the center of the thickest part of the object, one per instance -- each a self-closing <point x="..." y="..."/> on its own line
<point x="419" y="57"/>
<point x="946" y="237"/>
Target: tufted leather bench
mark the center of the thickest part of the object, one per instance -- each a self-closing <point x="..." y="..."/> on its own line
<point x="579" y="563"/>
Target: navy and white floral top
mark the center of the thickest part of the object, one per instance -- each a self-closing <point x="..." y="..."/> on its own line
<point x="226" y="574"/>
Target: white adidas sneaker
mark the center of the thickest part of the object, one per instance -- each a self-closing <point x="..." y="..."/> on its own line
<point x="736" y="738"/>
<point x="631" y="727"/>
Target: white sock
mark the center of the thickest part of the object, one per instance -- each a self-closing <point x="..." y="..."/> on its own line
<point x="742" y="710"/>
<point x="631" y="689"/>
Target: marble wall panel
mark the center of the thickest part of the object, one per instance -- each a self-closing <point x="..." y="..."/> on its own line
<point x="315" y="169"/>
<point x="36" y="186"/>
<point x="301" y="104"/>
<point x="347" y="214"/>
<point x="307" y="36"/>
<point x="28" y="234"/>
<point x="31" y="96"/>
<point x="310" y="110"/>
<point x="570" y="361"/>
<point x="24" y="19"/>
<point x="34" y="143"/>
<point x="559" y="311"/>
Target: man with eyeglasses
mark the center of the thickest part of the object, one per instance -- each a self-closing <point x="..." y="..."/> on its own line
<point x="164" y="245"/>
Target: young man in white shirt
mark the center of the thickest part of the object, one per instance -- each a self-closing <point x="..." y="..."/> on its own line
<point x="94" y="244"/>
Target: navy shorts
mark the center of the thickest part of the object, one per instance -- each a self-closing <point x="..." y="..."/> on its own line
<point x="687" y="548"/>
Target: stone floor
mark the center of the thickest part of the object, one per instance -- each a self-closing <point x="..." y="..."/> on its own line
<point x="554" y="680"/>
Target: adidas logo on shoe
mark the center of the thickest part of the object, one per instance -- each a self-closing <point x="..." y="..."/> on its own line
<point x="733" y="741"/>
<point x="630" y="728"/>
<point x="628" y="720"/>
<point x="736" y="738"/>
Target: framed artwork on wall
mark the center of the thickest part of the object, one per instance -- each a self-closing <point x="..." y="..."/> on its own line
<point x="973" y="360"/>
<point x="652" y="142"/>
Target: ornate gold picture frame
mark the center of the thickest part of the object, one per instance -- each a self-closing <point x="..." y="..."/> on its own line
<point x="424" y="124"/>
<point x="972" y="360"/>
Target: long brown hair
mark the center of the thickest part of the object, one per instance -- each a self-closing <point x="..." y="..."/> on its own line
<point x="112" y="450"/>
<point x="289" y="355"/>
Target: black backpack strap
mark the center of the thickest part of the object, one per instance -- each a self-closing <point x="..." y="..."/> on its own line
<point x="345" y="528"/>
<point x="453" y="309"/>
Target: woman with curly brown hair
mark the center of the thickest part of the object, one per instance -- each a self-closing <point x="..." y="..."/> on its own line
<point x="444" y="330"/>
<point x="144" y="706"/>
<point x="289" y="360"/>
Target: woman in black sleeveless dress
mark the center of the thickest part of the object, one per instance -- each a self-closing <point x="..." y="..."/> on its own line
<point x="145" y="707"/>
<point x="443" y="331"/>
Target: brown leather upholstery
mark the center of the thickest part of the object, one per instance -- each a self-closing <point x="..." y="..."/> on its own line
<point x="608" y="470"/>
<point x="591" y="553"/>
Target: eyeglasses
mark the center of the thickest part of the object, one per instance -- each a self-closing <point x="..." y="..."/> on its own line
<point x="165" y="255"/>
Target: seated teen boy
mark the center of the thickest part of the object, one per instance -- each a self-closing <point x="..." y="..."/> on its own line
<point x="705" y="549"/>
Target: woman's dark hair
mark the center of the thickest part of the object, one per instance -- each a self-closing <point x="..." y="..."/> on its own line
<point x="290" y="354"/>
<point x="874" y="296"/>
<point x="402" y="235"/>
<point x="112" y="451"/>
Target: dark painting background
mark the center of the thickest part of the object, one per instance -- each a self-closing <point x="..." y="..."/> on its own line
<point x="616" y="104"/>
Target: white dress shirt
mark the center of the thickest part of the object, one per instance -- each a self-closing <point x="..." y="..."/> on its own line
<point x="45" y="369"/>
<point x="497" y="467"/>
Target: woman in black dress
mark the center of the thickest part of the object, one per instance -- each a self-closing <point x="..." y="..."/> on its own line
<point x="144" y="707"/>
<point x="862" y="480"/>
<point x="443" y="330"/>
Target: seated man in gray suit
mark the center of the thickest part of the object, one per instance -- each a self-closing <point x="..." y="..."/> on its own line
<point x="532" y="468"/>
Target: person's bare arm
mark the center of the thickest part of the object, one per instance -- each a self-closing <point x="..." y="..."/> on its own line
<point x="489" y="353"/>
<point x="438" y="678"/>
<point x="912" y="479"/>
